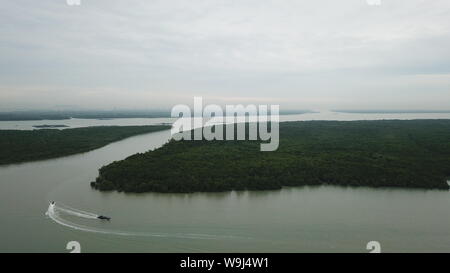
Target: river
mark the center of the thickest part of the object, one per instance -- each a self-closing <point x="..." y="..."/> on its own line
<point x="300" y="219"/>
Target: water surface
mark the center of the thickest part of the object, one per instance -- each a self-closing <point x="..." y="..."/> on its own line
<point x="301" y="219"/>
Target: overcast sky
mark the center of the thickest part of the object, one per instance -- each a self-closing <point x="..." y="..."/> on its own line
<point x="314" y="54"/>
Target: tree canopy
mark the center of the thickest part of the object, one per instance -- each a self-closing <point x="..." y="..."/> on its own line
<point x="385" y="153"/>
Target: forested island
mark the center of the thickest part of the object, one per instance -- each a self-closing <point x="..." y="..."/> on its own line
<point x="21" y="146"/>
<point x="386" y="153"/>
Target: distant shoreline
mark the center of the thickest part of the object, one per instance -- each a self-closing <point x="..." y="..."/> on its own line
<point x="392" y="111"/>
<point x="110" y="115"/>
<point x="66" y="115"/>
<point x="100" y="115"/>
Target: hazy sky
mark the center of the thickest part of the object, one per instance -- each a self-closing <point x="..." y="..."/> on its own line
<point x="300" y="54"/>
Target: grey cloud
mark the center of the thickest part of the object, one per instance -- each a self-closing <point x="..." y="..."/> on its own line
<point x="308" y="54"/>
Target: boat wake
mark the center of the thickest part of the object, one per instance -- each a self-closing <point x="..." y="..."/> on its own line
<point x="75" y="212"/>
<point x="57" y="213"/>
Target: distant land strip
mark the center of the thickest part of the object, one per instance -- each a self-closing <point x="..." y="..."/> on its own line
<point x="63" y="115"/>
<point x="392" y="111"/>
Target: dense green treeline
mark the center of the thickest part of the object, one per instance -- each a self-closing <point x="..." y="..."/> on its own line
<point x="21" y="146"/>
<point x="358" y="153"/>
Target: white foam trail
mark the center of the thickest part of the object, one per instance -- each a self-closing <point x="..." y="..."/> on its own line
<point x="53" y="212"/>
<point x="81" y="211"/>
<point x="76" y="212"/>
<point x="54" y="215"/>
